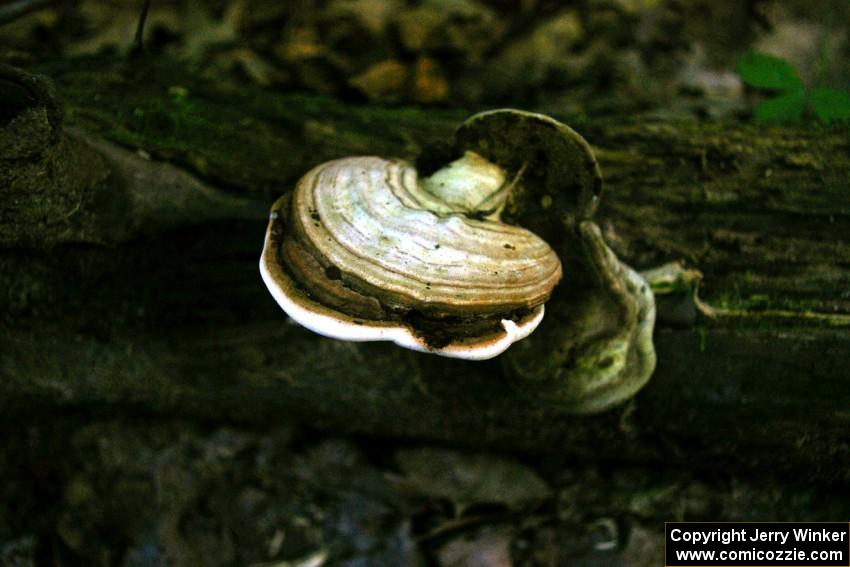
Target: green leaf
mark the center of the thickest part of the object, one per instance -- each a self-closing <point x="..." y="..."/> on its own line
<point x="785" y="108"/>
<point x="830" y="105"/>
<point x="764" y="71"/>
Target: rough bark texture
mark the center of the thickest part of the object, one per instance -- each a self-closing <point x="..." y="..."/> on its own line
<point x="131" y="286"/>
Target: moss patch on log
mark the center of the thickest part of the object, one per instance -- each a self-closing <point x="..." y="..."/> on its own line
<point x="250" y="140"/>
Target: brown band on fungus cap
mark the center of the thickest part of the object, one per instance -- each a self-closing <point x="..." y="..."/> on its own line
<point x="332" y="291"/>
<point x="371" y="228"/>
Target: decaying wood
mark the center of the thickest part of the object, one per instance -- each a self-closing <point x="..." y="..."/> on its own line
<point x="135" y="288"/>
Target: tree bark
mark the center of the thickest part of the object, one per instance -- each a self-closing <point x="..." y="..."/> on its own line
<point x="132" y="285"/>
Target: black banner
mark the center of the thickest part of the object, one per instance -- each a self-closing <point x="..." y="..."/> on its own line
<point x="762" y="544"/>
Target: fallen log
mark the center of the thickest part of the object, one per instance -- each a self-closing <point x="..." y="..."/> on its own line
<point x="131" y="285"/>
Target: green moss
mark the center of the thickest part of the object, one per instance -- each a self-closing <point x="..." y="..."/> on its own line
<point x="238" y="135"/>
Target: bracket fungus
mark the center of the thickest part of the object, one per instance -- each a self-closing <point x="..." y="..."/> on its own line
<point x="365" y="250"/>
<point x="461" y="262"/>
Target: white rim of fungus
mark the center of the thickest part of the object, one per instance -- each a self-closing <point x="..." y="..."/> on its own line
<point x="333" y="324"/>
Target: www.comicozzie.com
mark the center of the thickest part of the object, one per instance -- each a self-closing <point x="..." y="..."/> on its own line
<point x="815" y="544"/>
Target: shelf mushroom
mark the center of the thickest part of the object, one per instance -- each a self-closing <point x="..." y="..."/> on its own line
<point x="461" y="262"/>
<point x="363" y="249"/>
